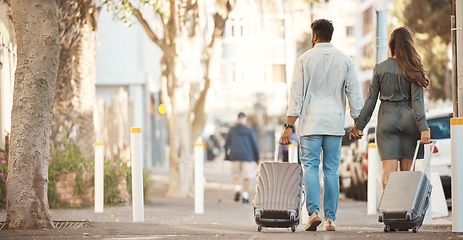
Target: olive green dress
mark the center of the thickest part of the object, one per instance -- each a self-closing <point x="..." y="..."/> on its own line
<point x="401" y="115"/>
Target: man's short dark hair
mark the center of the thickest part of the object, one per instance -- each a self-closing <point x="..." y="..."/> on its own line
<point x="241" y="115"/>
<point x="323" y="28"/>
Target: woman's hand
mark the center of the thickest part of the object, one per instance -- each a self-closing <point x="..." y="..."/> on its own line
<point x="355" y="133"/>
<point x="425" y="137"/>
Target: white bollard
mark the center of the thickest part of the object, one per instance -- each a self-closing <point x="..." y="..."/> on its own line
<point x="137" y="174"/>
<point x="199" y="181"/>
<point x="456" y="136"/>
<point x="372" y="161"/>
<point x="292" y="152"/>
<point x="99" y="177"/>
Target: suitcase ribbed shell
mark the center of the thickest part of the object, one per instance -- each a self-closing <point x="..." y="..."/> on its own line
<point x="405" y="191"/>
<point x="278" y="186"/>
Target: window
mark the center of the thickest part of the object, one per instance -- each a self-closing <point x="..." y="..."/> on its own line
<point x="279" y="73"/>
<point x="367" y="20"/>
<point x="237" y="73"/>
<point x="237" y="28"/>
<point x="274" y="28"/>
<point x="349" y="31"/>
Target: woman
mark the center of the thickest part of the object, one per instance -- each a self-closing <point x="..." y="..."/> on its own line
<point x="399" y="81"/>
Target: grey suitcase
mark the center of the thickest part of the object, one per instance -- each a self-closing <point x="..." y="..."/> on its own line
<point x="277" y="202"/>
<point x="406" y="198"/>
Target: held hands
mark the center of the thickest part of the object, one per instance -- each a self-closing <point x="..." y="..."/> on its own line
<point x="285" y="138"/>
<point x="355" y="133"/>
<point x="425" y="137"/>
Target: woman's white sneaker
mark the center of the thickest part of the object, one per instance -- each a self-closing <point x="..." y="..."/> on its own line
<point x="329" y="225"/>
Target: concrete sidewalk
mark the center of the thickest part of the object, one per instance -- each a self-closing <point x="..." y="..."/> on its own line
<point x="169" y="218"/>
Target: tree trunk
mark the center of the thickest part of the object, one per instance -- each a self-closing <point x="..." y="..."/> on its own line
<point x="63" y="110"/>
<point x="183" y="90"/>
<point x="75" y="92"/>
<point x="85" y="91"/>
<point x="177" y="76"/>
<point x="36" y="28"/>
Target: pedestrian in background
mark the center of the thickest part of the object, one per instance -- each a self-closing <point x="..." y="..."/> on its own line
<point x="242" y="150"/>
<point x="322" y="79"/>
<point x="399" y="82"/>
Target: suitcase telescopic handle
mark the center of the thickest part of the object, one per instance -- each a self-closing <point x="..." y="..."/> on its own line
<point x="428" y="159"/>
<point x="277" y="149"/>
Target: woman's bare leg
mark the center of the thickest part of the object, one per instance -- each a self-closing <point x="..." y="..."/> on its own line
<point x="388" y="167"/>
<point x="405" y="164"/>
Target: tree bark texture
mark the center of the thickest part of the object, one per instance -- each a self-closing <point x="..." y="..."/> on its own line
<point x="75" y="87"/>
<point x="36" y="28"/>
<point x="75" y="94"/>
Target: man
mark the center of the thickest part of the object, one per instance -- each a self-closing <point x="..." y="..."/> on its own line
<point x="323" y="77"/>
<point x="242" y="150"/>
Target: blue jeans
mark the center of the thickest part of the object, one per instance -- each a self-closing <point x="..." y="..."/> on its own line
<point x="311" y="147"/>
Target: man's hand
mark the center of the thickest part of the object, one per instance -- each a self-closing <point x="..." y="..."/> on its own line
<point x="355" y="133"/>
<point x="285" y="138"/>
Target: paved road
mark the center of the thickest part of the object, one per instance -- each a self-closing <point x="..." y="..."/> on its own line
<point x="168" y="218"/>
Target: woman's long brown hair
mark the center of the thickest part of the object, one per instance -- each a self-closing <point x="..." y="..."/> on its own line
<point x="403" y="48"/>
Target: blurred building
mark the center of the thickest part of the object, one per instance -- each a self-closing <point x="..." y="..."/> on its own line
<point x="7" y="68"/>
<point x="259" y="50"/>
<point x="354" y="32"/>
<point x="127" y="89"/>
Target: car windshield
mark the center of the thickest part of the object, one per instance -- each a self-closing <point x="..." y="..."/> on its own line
<point x="439" y="127"/>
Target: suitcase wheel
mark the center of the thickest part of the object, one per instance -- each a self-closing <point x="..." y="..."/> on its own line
<point x="408" y="216"/>
<point x="293" y="228"/>
<point x="257" y="214"/>
<point x="259" y="228"/>
<point x="415" y="229"/>
<point x="292" y="216"/>
<point x="387" y="229"/>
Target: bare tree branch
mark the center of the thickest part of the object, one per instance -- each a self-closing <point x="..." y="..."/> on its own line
<point x="152" y="35"/>
<point x="173" y="24"/>
<point x="199" y="105"/>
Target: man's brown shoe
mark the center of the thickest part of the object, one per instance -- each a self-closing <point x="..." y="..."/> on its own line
<point x="314" y="221"/>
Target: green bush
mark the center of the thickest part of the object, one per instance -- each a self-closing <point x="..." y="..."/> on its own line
<point x="3" y="175"/>
<point x="114" y="170"/>
<point x="66" y="160"/>
<point x="69" y="159"/>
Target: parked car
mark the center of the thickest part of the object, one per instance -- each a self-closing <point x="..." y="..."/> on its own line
<point x="353" y="167"/>
<point x="439" y="125"/>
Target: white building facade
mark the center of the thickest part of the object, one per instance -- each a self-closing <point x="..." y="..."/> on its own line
<point x="354" y="32"/>
<point x="7" y="68"/>
<point x="259" y="51"/>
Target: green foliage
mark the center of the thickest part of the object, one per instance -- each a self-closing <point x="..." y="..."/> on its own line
<point x="123" y="10"/>
<point x="114" y="172"/>
<point x="430" y="20"/>
<point x="3" y="175"/>
<point x="69" y="159"/>
<point x="66" y="160"/>
<point x="147" y="183"/>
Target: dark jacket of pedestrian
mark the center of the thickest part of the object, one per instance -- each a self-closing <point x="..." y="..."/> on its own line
<point x="241" y="144"/>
